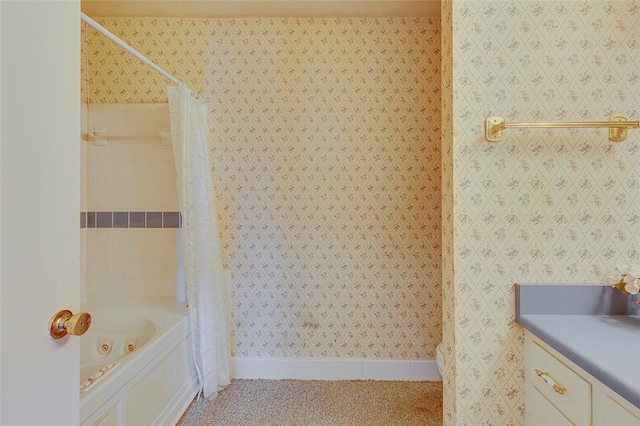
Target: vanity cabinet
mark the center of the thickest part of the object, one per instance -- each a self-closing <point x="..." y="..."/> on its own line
<point x="558" y="392"/>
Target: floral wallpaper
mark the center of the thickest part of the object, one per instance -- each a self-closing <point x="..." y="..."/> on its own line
<point x="326" y="142"/>
<point x="448" y="288"/>
<point x="541" y="206"/>
<point x="84" y="69"/>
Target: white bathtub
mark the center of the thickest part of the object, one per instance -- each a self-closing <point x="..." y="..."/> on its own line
<point x="144" y="352"/>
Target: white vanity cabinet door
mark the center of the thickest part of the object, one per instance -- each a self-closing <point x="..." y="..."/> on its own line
<point x="541" y="412"/>
<point x="609" y="409"/>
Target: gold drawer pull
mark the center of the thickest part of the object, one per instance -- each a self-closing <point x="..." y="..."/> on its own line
<point x="545" y="376"/>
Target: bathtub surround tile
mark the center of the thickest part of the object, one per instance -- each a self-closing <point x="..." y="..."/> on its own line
<point x="166" y="220"/>
<point x="171" y="220"/>
<point x="120" y="236"/>
<point x="170" y="237"/>
<point x="91" y="219"/>
<point x="119" y="286"/>
<point x="137" y="219"/>
<point x="103" y="254"/>
<point x="104" y="236"/>
<point x="103" y="287"/>
<point x="119" y="253"/>
<point x="131" y="263"/>
<point x="105" y="219"/>
<point x="154" y="220"/>
<point x="103" y="202"/>
<point x="136" y="288"/>
<point x="154" y="236"/>
<point x="120" y="272"/>
<point x="120" y="219"/>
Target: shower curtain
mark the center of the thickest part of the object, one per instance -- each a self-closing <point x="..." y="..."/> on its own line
<point x="202" y="253"/>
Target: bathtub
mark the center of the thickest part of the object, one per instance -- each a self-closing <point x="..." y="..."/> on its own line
<point x="136" y="365"/>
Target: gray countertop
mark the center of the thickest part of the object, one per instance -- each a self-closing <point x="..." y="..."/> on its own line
<point x="591" y="326"/>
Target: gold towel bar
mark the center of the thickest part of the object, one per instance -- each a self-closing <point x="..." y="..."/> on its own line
<point x="494" y="127"/>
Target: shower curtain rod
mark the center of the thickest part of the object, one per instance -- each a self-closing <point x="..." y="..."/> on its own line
<point x="128" y="48"/>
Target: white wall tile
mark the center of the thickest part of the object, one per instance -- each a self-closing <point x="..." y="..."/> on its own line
<point x="278" y="369"/>
<point x="399" y="370"/>
<point x="130" y="175"/>
<point x="425" y="370"/>
<point x="121" y="169"/>
<point x="102" y="169"/>
<point x="103" y="254"/>
<point x="250" y="368"/>
<point x="350" y="369"/>
<point x="136" y="287"/>
<point x="137" y="271"/>
<point x="326" y="370"/>
<point x="120" y="272"/>
<point x="153" y="236"/>
<point x="104" y="202"/>
<point x="334" y="369"/>
<point x="120" y="236"/>
<point x="374" y="370"/>
<point x="84" y="117"/>
<point x="119" y="152"/>
<point x="121" y="185"/>
<point x="103" y="287"/>
<point x="121" y="203"/>
<point x="301" y="369"/>
<point x="103" y="236"/>
<point x="119" y="286"/>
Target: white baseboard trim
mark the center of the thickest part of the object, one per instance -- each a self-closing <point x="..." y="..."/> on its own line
<point x="334" y="369"/>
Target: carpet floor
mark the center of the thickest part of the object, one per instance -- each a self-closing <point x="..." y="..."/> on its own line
<point x="320" y="403"/>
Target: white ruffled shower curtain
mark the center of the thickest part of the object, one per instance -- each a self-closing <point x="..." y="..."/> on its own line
<point x="202" y="254"/>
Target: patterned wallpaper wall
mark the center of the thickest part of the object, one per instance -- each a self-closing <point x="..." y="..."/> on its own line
<point x="541" y="206"/>
<point x="449" y="379"/>
<point x="327" y="154"/>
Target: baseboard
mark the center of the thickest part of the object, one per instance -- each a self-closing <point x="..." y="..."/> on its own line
<point x="334" y="369"/>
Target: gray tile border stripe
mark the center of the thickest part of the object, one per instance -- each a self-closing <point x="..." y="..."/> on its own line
<point x="105" y="219"/>
<point x="120" y="219"/>
<point x="91" y="219"/>
<point x="137" y="220"/>
<point x="130" y="220"/>
<point x="154" y="219"/>
<point x="171" y="220"/>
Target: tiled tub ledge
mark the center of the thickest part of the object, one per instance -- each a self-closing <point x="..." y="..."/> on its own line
<point x="592" y="325"/>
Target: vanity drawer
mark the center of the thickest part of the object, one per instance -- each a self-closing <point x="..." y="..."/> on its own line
<point x="565" y="389"/>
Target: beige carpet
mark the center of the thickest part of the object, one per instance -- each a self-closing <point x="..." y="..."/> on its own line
<point x="320" y="403"/>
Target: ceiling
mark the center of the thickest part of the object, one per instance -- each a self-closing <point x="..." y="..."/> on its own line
<point x="261" y="9"/>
